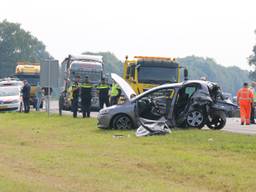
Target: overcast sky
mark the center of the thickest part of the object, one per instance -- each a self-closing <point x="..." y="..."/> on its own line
<point x="220" y="29"/>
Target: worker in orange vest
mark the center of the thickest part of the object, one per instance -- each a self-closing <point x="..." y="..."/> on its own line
<point x="245" y="99"/>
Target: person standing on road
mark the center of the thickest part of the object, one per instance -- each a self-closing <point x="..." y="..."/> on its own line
<point x="26" y="95"/>
<point x="103" y="89"/>
<point x="115" y="94"/>
<point x="86" y="96"/>
<point x="245" y="99"/>
<point x="75" y="96"/>
<point x="39" y="95"/>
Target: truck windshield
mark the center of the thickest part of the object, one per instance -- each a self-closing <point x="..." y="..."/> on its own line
<point x="32" y="79"/>
<point x="94" y="76"/>
<point x="157" y="75"/>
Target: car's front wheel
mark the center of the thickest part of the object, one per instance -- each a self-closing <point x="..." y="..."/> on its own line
<point x="122" y="122"/>
<point x="218" y="121"/>
<point x="195" y="119"/>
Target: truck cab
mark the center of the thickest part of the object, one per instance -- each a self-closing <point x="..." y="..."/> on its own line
<point x="143" y="72"/>
<point x="90" y="66"/>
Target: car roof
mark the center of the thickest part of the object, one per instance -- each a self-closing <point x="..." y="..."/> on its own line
<point x="126" y="88"/>
<point x="164" y="86"/>
<point x="173" y="85"/>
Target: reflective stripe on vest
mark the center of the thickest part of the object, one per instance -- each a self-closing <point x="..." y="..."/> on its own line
<point x="103" y="86"/>
<point x="86" y="85"/>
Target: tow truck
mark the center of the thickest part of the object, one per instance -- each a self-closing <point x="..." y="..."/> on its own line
<point x="145" y="72"/>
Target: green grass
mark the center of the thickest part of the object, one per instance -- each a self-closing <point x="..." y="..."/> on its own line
<point x="38" y="153"/>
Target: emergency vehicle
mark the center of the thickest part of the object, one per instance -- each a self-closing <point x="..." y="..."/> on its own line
<point x="144" y="72"/>
<point x="10" y="94"/>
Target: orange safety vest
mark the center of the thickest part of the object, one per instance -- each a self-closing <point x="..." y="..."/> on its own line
<point x="245" y="94"/>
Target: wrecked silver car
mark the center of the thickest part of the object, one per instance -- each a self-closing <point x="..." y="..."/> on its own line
<point x="193" y="103"/>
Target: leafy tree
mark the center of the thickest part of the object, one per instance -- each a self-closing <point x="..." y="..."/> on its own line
<point x="252" y="62"/>
<point x="229" y="78"/>
<point x="17" y="44"/>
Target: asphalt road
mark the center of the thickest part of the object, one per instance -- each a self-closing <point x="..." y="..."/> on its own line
<point x="232" y="125"/>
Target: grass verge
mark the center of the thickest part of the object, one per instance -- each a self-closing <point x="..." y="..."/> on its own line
<point x="65" y="154"/>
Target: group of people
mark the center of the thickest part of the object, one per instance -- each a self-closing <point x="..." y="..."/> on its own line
<point x="40" y="94"/>
<point x="85" y="91"/>
<point x="246" y="98"/>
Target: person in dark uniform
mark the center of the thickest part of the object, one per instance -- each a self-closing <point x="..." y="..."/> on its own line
<point x="26" y="95"/>
<point x="86" y="96"/>
<point x="103" y="89"/>
<point x="75" y="96"/>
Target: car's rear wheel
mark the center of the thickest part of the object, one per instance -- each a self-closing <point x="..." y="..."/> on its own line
<point x="195" y="119"/>
<point x="218" y="121"/>
<point x="122" y="122"/>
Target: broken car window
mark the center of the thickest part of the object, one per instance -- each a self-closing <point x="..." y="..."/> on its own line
<point x="156" y="104"/>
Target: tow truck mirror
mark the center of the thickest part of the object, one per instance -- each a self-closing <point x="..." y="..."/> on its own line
<point x="185" y="74"/>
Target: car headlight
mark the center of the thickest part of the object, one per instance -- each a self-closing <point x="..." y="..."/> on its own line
<point x="104" y="111"/>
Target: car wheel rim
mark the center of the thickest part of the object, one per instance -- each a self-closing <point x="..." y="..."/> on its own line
<point x="123" y="123"/>
<point x="217" y="123"/>
<point x="195" y="118"/>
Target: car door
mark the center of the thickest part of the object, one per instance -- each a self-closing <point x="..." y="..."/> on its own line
<point x="155" y="104"/>
<point x="184" y="101"/>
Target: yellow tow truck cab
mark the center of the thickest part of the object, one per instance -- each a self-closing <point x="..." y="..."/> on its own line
<point x="144" y="72"/>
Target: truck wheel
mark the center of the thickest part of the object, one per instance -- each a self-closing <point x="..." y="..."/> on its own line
<point x="195" y="119"/>
<point x="218" y="121"/>
<point x="122" y="122"/>
<point x="61" y="104"/>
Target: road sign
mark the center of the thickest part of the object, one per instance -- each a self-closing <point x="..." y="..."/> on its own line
<point x="49" y="74"/>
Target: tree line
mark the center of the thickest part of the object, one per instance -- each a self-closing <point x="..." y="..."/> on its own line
<point x="16" y="44"/>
